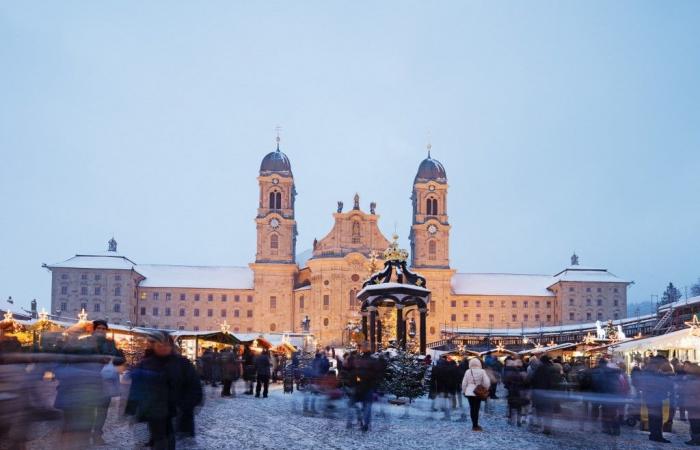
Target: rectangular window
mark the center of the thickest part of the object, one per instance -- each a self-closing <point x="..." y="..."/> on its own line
<point x="616" y="316"/>
<point x="453" y="303"/>
<point x="571" y="316"/>
<point x="514" y="304"/>
<point x="98" y="277"/>
<point x="83" y="306"/>
<point x="117" y="307"/>
<point x="210" y="297"/>
<point x="236" y="298"/>
<point x="98" y="290"/>
<point x="223" y="313"/>
<point x="117" y="278"/>
<point x="537" y="317"/>
<point x="224" y="297"/>
<point x="465" y="303"/>
<point x="64" y="290"/>
<point x="571" y="289"/>
<point x="249" y="313"/>
<point x="210" y="313"/>
<point x="478" y="317"/>
<point x="96" y="307"/>
<point x="301" y="302"/>
<point x="64" y="306"/>
<point x="196" y="328"/>
<point x="64" y="276"/>
<point x="526" y="317"/>
<point x="83" y="290"/>
<point x="571" y="302"/>
<point x="503" y="303"/>
<point x="549" y="317"/>
<point x="588" y="316"/>
<point x="478" y="303"/>
<point x="181" y="327"/>
<point x="514" y="318"/>
<point x="600" y="289"/>
<point x="273" y="302"/>
<point x="154" y="296"/>
<point x="155" y="311"/>
<point x="250" y="299"/>
<point x="615" y="290"/>
<point x="168" y="296"/>
<point x="588" y="301"/>
<point x="196" y="297"/>
<point x="549" y="304"/>
<point x="117" y="291"/>
<point x="196" y="312"/>
<point x="326" y="301"/>
<point x="453" y="317"/>
<point x="615" y="302"/>
<point x="182" y="312"/>
<point x="491" y="318"/>
<point x="600" y="302"/>
<point x="588" y="289"/>
<point x="183" y="296"/>
<point x="167" y="311"/>
<point x="600" y="316"/>
<point x="143" y="310"/>
<point x="490" y="303"/>
<point x="83" y="276"/>
<point x="525" y="304"/>
<point x="537" y="304"/>
<point x="465" y="317"/>
<point x="236" y="313"/>
<point x="432" y="306"/>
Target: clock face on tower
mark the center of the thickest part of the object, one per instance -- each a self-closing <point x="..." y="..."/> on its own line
<point x="275" y="181"/>
<point x="431" y="188"/>
<point x="274" y="223"/>
<point x="432" y="229"/>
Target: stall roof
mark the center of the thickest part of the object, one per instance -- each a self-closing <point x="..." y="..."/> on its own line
<point x="680" y="303"/>
<point x="214" y="336"/>
<point x="551" y="348"/>
<point x="676" y="339"/>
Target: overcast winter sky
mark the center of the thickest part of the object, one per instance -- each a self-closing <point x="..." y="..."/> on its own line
<point x="562" y="125"/>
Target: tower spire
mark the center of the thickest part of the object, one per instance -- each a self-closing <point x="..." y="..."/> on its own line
<point x="430" y="145"/>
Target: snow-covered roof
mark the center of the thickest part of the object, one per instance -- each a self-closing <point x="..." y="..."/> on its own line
<point x="578" y="273"/>
<point x="391" y="285"/>
<point x="676" y="339"/>
<point x="690" y="301"/>
<point x="106" y="260"/>
<point x="205" y="277"/>
<point x="303" y="288"/>
<point x="501" y="284"/>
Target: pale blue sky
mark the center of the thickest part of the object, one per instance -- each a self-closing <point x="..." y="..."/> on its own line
<point x="562" y="125"/>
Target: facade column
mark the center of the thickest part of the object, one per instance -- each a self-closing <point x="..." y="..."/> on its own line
<point x="379" y="334"/>
<point x="372" y="328"/>
<point x="400" y="328"/>
<point x="423" y="313"/>
<point x="365" y="337"/>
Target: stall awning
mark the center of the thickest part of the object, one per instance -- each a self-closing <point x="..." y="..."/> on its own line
<point x="681" y="339"/>
<point x="212" y="336"/>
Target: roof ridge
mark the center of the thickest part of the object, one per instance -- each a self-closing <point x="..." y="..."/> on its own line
<point x="195" y="266"/>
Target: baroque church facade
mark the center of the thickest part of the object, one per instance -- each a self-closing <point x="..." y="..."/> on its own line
<point x="281" y="289"/>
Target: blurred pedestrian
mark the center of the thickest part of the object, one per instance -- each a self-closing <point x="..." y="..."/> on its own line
<point x="262" y="372"/>
<point x="514" y="382"/>
<point x="655" y="388"/>
<point x="690" y="393"/>
<point x="545" y="380"/>
<point x="475" y="380"/>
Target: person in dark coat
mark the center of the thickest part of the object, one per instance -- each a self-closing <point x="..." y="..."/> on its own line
<point x="248" y="369"/>
<point x="113" y="356"/>
<point x="655" y="388"/>
<point x="230" y="371"/>
<point x="262" y="372"/>
<point x="690" y="392"/>
<point x="443" y="384"/>
<point x="514" y="382"/>
<point x="607" y="384"/>
<point x="545" y="380"/>
<point x="161" y="384"/>
<point x="368" y="373"/>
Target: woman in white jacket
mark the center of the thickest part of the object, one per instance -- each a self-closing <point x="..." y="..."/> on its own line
<point x="475" y="376"/>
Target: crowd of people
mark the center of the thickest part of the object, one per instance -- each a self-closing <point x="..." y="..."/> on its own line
<point x="165" y="388"/>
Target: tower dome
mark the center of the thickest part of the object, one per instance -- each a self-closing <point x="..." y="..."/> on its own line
<point x="276" y="162"/>
<point x="431" y="170"/>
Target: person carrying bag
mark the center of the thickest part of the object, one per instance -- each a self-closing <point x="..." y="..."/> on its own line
<point x="475" y="386"/>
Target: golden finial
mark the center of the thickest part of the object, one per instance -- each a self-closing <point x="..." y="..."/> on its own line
<point x="394" y="253"/>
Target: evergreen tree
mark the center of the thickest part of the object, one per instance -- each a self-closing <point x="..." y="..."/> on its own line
<point x="404" y="376"/>
<point x="671" y="294"/>
<point x="695" y="289"/>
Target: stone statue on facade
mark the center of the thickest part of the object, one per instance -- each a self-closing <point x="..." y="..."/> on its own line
<point x="372" y="207"/>
<point x="340" y="206"/>
<point x="357" y="202"/>
<point x="574" y="259"/>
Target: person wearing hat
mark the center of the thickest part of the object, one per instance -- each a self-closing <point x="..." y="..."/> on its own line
<point x="163" y="384"/>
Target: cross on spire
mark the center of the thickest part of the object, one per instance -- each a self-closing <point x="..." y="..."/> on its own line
<point x="430" y="145"/>
<point x="277" y="130"/>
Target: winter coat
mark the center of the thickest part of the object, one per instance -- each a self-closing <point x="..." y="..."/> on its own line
<point x="654" y="386"/>
<point x="230" y="366"/>
<point x="689" y="391"/>
<point x="161" y="385"/>
<point x="544" y="379"/>
<point x="474" y="377"/>
<point x="262" y="366"/>
<point x="440" y="377"/>
<point x="368" y="373"/>
<point x="514" y="382"/>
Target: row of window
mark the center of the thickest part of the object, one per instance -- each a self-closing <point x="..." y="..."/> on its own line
<point x="96" y="307"/>
<point x="588" y="289"/>
<point x="492" y="318"/>
<point x="599" y="316"/>
<point x="492" y="303"/>
<point x="194" y="328"/>
<point x="589" y="302"/>
<point x="197" y="297"/>
<point x="96" y="291"/>
<point x="97" y="277"/>
<point x="155" y="311"/>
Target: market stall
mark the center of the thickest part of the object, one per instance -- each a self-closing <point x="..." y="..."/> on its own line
<point x="191" y="343"/>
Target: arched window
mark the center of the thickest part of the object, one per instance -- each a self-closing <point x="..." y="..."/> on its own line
<point x="352" y="300"/>
<point x="273" y="327"/>
<point x="274" y="242"/>
<point x="275" y="200"/>
<point x="435" y="208"/>
<point x="356" y="232"/>
<point x="431" y="207"/>
<point x="432" y="250"/>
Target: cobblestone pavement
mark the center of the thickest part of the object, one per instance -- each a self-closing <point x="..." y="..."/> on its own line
<point x="277" y="422"/>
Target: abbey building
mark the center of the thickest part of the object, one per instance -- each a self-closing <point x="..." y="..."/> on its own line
<point x="282" y="288"/>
